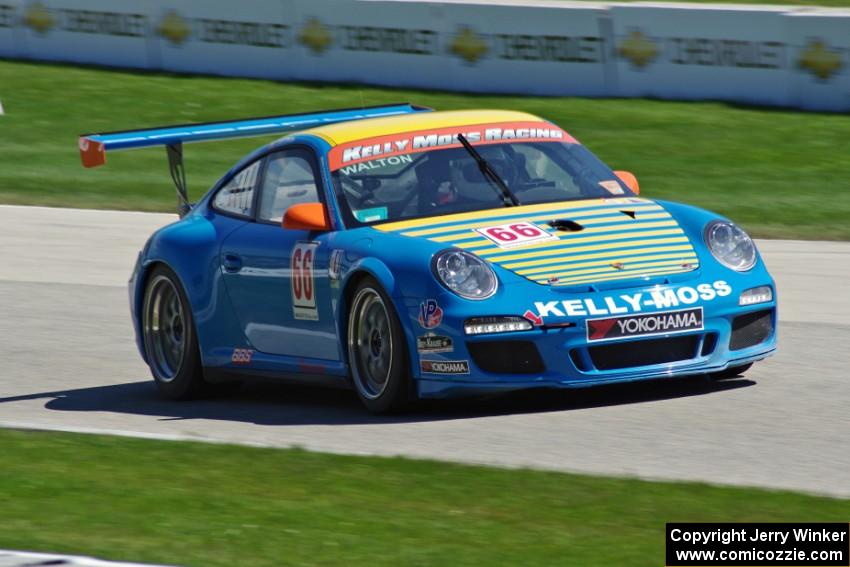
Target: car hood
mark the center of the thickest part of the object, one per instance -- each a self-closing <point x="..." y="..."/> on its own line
<point x="566" y="243"/>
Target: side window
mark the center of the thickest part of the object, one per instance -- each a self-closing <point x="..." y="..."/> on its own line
<point x="237" y="197"/>
<point x="290" y="179"/>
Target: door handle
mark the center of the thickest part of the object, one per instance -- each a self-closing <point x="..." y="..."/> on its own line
<point x="232" y="263"/>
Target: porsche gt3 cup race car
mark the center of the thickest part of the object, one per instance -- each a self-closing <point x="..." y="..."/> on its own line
<point x="413" y="253"/>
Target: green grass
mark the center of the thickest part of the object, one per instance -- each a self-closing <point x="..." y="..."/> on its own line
<point x="778" y="173"/>
<point x="200" y="504"/>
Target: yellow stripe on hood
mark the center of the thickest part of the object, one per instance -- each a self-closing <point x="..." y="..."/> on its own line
<point x="621" y="246"/>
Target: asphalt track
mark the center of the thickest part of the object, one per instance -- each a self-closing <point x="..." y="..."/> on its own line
<point x="69" y="363"/>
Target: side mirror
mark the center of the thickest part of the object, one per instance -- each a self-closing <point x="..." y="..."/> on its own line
<point x="630" y="180"/>
<point x="307" y="216"/>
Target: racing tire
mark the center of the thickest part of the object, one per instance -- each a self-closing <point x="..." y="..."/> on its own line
<point x="731" y="372"/>
<point x="377" y="350"/>
<point x="171" y="343"/>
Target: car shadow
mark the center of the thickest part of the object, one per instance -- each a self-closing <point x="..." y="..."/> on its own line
<point x="265" y="402"/>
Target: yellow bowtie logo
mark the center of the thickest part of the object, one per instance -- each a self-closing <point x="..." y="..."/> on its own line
<point x="316" y="36"/>
<point x="174" y="28"/>
<point x="38" y="18"/>
<point x="819" y="60"/>
<point x="638" y="49"/>
<point x="469" y="46"/>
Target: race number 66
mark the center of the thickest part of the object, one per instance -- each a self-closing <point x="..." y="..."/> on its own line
<point x="515" y="234"/>
<point x="303" y="280"/>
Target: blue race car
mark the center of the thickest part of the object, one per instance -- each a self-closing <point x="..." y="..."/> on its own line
<point x="419" y="254"/>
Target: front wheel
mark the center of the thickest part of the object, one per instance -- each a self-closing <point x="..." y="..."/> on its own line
<point x="731" y="372"/>
<point x="377" y="352"/>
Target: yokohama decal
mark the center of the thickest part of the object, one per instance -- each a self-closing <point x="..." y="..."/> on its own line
<point x="405" y="143"/>
<point x="444" y="366"/>
<point x="303" y="282"/>
<point x="647" y="324"/>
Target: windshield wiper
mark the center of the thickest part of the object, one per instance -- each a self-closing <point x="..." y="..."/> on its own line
<point x="489" y="173"/>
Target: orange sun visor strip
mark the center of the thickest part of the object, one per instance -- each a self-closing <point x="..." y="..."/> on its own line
<point x="405" y="143"/>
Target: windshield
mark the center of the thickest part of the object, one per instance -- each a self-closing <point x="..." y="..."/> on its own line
<point x="389" y="184"/>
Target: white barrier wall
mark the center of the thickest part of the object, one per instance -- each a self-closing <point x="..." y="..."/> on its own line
<point x="820" y="71"/>
<point x="254" y="40"/>
<point x="777" y="56"/>
<point x="694" y="52"/>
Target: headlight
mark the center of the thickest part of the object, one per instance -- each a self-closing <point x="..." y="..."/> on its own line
<point x="730" y="245"/>
<point x="465" y="274"/>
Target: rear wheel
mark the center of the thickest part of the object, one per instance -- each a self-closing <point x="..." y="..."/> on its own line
<point x="377" y="351"/>
<point x="731" y="372"/>
<point x="170" y="341"/>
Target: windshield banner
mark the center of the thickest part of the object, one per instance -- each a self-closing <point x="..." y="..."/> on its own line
<point x="404" y="143"/>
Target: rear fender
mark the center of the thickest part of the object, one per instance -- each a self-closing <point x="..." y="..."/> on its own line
<point x="190" y="248"/>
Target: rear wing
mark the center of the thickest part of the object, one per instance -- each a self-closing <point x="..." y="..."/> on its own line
<point x="93" y="147"/>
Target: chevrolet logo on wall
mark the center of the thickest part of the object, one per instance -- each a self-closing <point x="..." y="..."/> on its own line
<point x="819" y="60"/>
<point x="469" y="46"/>
<point x="316" y="36"/>
<point x="638" y="49"/>
<point x="174" y="28"/>
<point x="38" y="18"/>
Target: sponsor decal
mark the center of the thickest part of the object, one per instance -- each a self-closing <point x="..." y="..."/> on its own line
<point x="335" y="264"/>
<point x="715" y="52"/>
<point x="513" y="235"/>
<point x="371" y="215"/>
<point x="38" y="18"/>
<point x="535" y="319"/>
<point x="612" y="187"/>
<point x="444" y="366"/>
<point x="377" y="164"/>
<point x="303" y="281"/>
<point x="659" y="323"/>
<point x="658" y="298"/>
<point x="174" y="28"/>
<point x="96" y="22"/>
<point x="469" y="46"/>
<point x="819" y="60"/>
<point x="430" y="314"/>
<point x="242" y="356"/>
<point x="388" y="40"/>
<point x="315" y="36"/>
<point x="178" y="30"/>
<point x="7" y="16"/>
<point x="406" y="143"/>
<point x="563" y="49"/>
<point x="641" y="51"/>
<point x="434" y="343"/>
<point x="638" y="49"/>
<point x="42" y="20"/>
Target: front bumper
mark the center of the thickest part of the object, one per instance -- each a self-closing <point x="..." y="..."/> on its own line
<point x="563" y="357"/>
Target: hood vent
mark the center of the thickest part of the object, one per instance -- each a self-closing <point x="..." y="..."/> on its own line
<point x="566" y="225"/>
